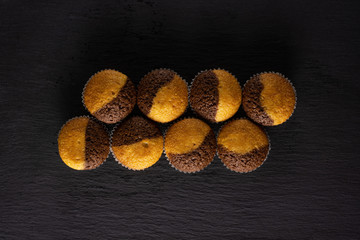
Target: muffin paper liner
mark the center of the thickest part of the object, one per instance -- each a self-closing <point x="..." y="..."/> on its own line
<point x="192" y="81"/>
<point x="282" y="75"/>
<point x="113" y="154"/>
<point x="83" y="91"/>
<point x="187" y="106"/>
<point x="167" y="157"/>
<point x="217" y="152"/>
<point x="97" y="121"/>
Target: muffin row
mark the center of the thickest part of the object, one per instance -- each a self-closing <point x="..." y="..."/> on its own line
<point x="137" y="143"/>
<point x="215" y="95"/>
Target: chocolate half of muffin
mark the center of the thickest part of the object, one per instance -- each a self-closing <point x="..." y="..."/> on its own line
<point x="190" y="145"/>
<point x="110" y="96"/>
<point x="162" y="95"/>
<point x="242" y="145"/>
<point x="137" y="143"/>
<point x="215" y="95"/>
<point x="83" y="143"/>
<point x="269" y="99"/>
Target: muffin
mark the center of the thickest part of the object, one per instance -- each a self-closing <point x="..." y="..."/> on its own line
<point x="109" y="96"/>
<point x="83" y="143"/>
<point x="269" y="98"/>
<point x="162" y="95"/>
<point x="190" y="145"/>
<point x="242" y="145"/>
<point x="215" y="95"/>
<point x="137" y="143"/>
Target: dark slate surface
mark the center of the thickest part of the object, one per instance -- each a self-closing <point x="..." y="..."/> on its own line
<point x="307" y="189"/>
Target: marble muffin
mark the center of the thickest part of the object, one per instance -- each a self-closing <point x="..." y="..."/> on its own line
<point x="109" y="96"/>
<point x="162" y="95"/>
<point x="83" y="143"/>
<point x="190" y="145"/>
<point x="215" y="95"/>
<point x="242" y="145"/>
<point x="137" y="143"/>
<point x="269" y="98"/>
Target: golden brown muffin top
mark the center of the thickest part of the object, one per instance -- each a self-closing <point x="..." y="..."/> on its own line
<point x="139" y="155"/>
<point x="277" y="97"/>
<point x="242" y="136"/>
<point x="170" y="101"/>
<point x="185" y="136"/>
<point x="71" y="143"/>
<point x="229" y="95"/>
